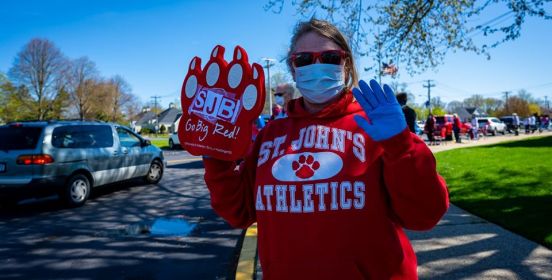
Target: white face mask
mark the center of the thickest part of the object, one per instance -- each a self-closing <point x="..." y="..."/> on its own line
<point x="279" y="100"/>
<point x="319" y="82"/>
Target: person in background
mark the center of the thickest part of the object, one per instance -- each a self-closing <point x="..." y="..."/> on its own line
<point x="456" y="126"/>
<point x="545" y="120"/>
<point x="516" y="123"/>
<point x="429" y="129"/>
<point x="409" y="113"/>
<point x="527" y="124"/>
<point x="532" y="124"/>
<point x="537" y="123"/>
<point x="282" y="95"/>
<point x="332" y="185"/>
<point x="475" y="128"/>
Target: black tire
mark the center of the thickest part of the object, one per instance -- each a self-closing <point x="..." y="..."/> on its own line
<point x="171" y="144"/>
<point x="9" y="203"/>
<point x="494" y="132"/>
<point x="76" y="191"/>
<point x="155" y="172"/>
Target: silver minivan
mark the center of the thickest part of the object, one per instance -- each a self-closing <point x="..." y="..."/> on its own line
<point x="70" y="158"/>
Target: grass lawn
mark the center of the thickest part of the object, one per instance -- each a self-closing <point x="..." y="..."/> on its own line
<point x="509" y="184"/>
<point x="161" y="142"/>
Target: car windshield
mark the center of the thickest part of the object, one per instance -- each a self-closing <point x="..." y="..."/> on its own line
<point x="440" y="120"/>
<point x="19" y="137"/>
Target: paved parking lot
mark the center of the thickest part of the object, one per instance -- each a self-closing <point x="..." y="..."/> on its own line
<point x="102" y="240"/>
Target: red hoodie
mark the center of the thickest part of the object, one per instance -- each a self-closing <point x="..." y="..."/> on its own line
<point x="329" y="202"/>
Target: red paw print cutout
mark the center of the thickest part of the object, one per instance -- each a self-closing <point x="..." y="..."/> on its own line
<point x="219" y="104"/>
<point x="305" y="167"/>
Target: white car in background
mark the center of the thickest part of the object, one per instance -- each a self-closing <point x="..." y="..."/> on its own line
<point x="174" y="143"/>
<point x="493" y="125"/>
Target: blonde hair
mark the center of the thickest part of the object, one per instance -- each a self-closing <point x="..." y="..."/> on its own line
<point x="328" y="30"/>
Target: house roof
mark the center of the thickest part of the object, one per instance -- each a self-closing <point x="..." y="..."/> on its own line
<point x="144" y="118"/>
<point x="170" y="115"/>
<point x="468" y="112"/>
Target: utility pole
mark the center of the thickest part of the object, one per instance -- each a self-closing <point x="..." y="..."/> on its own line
<point x="546" y="103"/>
<point x="155" y="98"/>
<point x="506" y="93"/>
<point x="429" y="86"/>
<point x="269" y="62"/>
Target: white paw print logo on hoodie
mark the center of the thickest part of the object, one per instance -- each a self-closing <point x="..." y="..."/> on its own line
<point x="307" y="166"/>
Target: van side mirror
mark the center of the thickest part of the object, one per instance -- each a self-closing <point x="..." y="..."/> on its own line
<point x="146" y="142"/>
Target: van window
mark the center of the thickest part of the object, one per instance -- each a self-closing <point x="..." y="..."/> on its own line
<point x="128" y="139"/>
<point x="82" y="136"/>
<point x="19" y="137"/>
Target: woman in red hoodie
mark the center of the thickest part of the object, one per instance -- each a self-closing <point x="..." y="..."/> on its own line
<point x="332" y="186"/>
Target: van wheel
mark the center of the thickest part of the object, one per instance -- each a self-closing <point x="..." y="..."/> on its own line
<point x="77" y="190"/>
<point x="155" y="172"/>
<point x="171" y="144"/>
<point x="9" y="203"/>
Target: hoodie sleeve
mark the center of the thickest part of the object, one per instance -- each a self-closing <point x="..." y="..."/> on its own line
<point x="231" y="187"/>
<point x="419" y="196"/>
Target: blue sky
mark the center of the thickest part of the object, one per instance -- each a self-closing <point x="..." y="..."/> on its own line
<point x="150" y="44"/>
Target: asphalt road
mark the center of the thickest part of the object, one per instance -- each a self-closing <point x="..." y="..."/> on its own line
<point x="103" y="239"/>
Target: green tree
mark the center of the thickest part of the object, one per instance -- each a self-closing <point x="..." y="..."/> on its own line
<point x="42" y="70"/>
<point x="418" y="34"/>
<point x="15" y="102"/>
<point x="438" y="111"/>
<point x="515" y="104"/>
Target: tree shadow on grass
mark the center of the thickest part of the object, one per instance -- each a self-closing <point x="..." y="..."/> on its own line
<point x="510" y="206"/>
<point x="528" y="143"/>
<point x="528" y="216"/>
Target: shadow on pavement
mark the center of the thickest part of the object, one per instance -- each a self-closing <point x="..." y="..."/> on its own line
<point x="47" y="241"/>
<point x="466" y="247"/>
<point x="198" y="164"/>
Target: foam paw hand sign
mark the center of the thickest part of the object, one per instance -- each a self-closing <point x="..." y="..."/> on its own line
<point x="219" y="105"/>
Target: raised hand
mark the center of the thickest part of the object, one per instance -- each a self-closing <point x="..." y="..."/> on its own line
<point x="386" y="118"/>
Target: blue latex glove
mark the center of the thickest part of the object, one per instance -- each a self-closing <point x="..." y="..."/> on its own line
<point x="383" y="110"/>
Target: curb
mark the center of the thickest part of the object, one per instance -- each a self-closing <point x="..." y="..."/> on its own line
<point x="248" y="255"/>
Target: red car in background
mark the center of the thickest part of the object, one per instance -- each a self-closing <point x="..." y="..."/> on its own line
<point x="444" y="122"/>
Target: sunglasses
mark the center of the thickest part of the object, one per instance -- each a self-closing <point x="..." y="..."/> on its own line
<point x="300" y="59"/>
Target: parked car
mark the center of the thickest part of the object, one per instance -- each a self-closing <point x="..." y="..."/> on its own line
<point x="509" y="122"/>
<point x="446" y="123"/>
<point x="70" y="158"/>
<point x="174" y="143"/>
<point x="419" y="127"/>
<point x="492" y="125"/>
